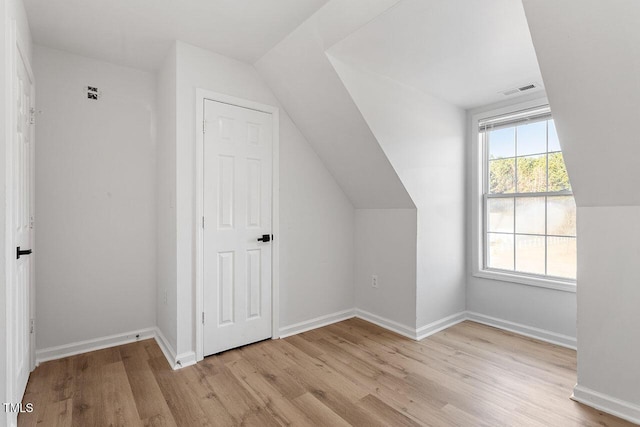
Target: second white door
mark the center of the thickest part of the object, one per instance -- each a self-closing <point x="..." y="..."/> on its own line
<point x="237" y="226"/>
<point x="20" y="285"/>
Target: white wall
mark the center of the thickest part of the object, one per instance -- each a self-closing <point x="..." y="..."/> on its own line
<point x="95" y="198"/>
<point x="589" y="55"/>
<point x="166" y="251"/>
<point x="608" y="296"/>
<point x="316" y="245"/>
<point x="10" y="11"/>
<point x="386" y="247"/>
<point x="424" y="139"/>
<point x="550" y="310"/>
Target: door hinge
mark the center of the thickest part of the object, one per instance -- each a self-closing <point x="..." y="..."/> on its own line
<point x="204" y="126"/>
<point x="203" y="317"/>
<point x="32" y="324"/>
<point x="202" y="222"/>
<point x="32" y="116"/>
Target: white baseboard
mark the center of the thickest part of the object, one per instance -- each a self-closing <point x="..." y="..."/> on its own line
<point x="528" y="331"/>
<point x="611" y="405"/>
<point x="398" y="328"/>
<point x="189" y="358"/>
<point x="58" y="352"/>
<point x="179" y="361"/>
<point x="315" y="323"/>
<point x="439" y="325"/>
<point x="167" y="349"/>
<point x="185" y="359"/>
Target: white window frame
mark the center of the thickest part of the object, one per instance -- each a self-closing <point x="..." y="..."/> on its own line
<point x="477" y="206"/>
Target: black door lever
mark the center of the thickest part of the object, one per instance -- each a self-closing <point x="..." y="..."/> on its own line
<point x="25" y="252"/>
<point x="264" y="238"/>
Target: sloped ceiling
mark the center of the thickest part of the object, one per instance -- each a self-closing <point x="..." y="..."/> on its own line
<point x="589" y="55"/>
<point x="304" y="80"/>
<point x="138" y="33"/>
<point x="464" y="52"/>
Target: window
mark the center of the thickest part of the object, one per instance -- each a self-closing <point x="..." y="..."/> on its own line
<point x="528" y="209"/>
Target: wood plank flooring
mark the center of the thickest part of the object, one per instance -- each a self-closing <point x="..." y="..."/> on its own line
<point x="348" y="373"/>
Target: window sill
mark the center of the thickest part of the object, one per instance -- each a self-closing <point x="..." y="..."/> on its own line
<point x="559" y="285"/>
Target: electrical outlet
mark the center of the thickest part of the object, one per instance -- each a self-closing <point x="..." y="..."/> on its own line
<point x="374" y="281"/>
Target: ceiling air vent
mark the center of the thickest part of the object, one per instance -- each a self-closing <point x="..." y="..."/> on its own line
<point x="520" y="89"/>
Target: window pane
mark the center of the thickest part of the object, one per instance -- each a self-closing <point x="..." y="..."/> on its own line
<point x="502" y="176"/>
<point x="554" y="142"/>
<point x="561" y="257"/>
<point x="532" y="174"/>
<point x="561" y="216"/>
<point x="530" y="254"/>
<point x="500" y="251"/>
<point x="558" y="176"/>
<point x="532" y="138"/>
<point x="530" y="215"/>
<point x="500" y="215"/>
<point x="502" y="143"/>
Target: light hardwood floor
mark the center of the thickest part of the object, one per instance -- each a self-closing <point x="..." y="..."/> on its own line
<point x="349" y="373"/>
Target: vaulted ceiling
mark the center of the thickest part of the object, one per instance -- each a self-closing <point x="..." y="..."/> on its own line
<point x="304" y="80"/>
<point x="460" y="51"/>
<point x="464" y="52"/>
<point x="138" y="33"/>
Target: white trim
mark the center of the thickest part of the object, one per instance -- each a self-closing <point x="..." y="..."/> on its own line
<point x="431" y="328"/>
<point x="72" y="349"/>
<point x="398" y="328"/>
<point x="189" y="358"/>
<point x="176" y="362"/>
<point x="559" y="285"/>
<point x="185" y="359"/>
<point x="199" y="196"/>
<point x="476" y="189"/>
<point x="167" y="349"/>
<point x="609" y="404"/>
<point x="275" y="227"/>
<point x="201" y="95"/>
<point x="439" y="325"/>
<point x="520" y="329"/>
<point x="318" y="322"/>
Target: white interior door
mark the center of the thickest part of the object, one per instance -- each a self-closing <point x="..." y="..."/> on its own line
<point x="237" y="212"/>
<point x="21" y="204"/>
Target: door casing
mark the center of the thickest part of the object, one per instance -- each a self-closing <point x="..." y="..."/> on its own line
<point x="201" y="96"/>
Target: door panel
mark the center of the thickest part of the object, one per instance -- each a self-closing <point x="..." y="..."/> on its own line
<point x="20" y="286"/>
<point x="237" y="208"/>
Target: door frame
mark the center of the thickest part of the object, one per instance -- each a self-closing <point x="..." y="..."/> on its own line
<point x="201" y="96"/>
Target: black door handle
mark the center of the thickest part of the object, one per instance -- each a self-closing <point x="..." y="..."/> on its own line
<point x="265" y="238"/>
<point x="19" y="252"/>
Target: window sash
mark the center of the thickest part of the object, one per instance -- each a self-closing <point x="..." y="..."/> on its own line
<point x="532" y="194"/>
<point x="527" y="116"/>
